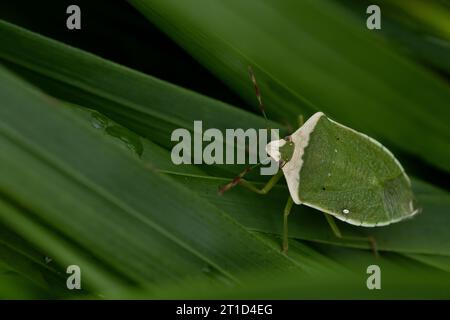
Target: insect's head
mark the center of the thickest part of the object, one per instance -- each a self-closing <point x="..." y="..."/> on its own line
<point x="281" y="150"/>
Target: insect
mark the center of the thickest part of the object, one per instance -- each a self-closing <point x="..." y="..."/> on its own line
<point x="341" y="172"/>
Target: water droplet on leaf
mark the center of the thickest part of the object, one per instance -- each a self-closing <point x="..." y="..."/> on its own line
<point x="99" y="121"/>
<point x="131" y="140"/>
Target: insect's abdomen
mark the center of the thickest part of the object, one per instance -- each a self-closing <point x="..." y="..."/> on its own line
<point x="353" y="177"/>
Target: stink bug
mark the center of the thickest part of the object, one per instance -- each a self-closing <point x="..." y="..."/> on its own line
<point x="339" y="171"/>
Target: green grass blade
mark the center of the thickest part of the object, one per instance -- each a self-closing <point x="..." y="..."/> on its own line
<point x="120" y="92"/>
<point x="440" y="262"/>
<point x="132" y="219"/>
<point x="425" y="233"/>
<point x="318" y="57"/>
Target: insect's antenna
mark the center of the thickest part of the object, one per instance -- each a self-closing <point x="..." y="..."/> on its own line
<point x="240" y="176"/>
<point x="237" y="179"/>
<point x="258" y="95"/>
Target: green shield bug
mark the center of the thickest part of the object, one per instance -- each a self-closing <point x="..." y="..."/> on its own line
<point x="340" y="172"/>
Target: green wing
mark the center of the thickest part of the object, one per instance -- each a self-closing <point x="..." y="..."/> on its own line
<point x="353" y="177"/>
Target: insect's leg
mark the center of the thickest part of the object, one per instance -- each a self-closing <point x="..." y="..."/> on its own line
<point x="268" y="186"/>
<point x="287" y="210"/>
<point x="333" y="225"/>
<point x="239" y="180"/>
<point x="338" y="233"/>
